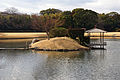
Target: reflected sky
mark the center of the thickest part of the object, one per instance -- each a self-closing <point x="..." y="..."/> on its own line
<point x="73" y="65"/>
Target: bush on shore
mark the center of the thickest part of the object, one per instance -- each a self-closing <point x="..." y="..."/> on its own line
<point x="58" y="32"/>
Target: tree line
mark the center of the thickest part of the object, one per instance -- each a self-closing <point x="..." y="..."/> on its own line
<point x="13" y="21"/>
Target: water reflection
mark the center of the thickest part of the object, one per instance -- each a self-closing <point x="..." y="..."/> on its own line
<point x="71" y="65"/>
<point x="45" y="65"/>
<point x="16" y="43"/>
<point x="62" y="55"/>
<point x="19" y="65"/>
<point x="60" y="64"/>
<point x="74" y="65"/>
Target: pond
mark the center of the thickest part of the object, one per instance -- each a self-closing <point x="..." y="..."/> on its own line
<point x="75" y="65"/>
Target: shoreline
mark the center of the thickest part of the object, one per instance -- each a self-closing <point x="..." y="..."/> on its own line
<point x="107" y="35"/>
<point x="31" y="35"/>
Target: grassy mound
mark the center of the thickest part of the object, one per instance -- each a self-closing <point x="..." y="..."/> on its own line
<point x="58" y="43"/>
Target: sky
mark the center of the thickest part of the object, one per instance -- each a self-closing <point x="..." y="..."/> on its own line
<point x="35" y="6"/>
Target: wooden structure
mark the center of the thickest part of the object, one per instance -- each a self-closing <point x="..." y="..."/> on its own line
<point x="96" y="44"/>
<point x="14" y="48"/>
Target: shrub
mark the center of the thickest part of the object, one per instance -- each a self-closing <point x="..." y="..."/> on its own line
<point x="76" y="32"/>
<point x="117" y="30"/>
<point x="78" y="35"/>
<point x="58" y="32"/>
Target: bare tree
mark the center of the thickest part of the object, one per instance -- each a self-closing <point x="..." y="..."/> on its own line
<point x="11" y="10"/>
<point x="45" y="22"/>
<point x="49" y="22"/>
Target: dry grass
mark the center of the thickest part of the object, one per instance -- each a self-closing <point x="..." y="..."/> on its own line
<point x="19" y="40"/>
<point x="57" y="44"/>
<point x="22" y="35"/>
<point x="108" y="35"/>
<point x="44" y="35"/>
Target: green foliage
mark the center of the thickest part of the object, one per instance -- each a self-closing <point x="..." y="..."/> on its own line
<point x="110" y="21"/>
<point x="67" y="18"/>
<point x="76" y="32"/>
<point x="84" y="18"/>
<point x="100" y="23"/>
<point x="50" y="11"/>
<point x="58" y="32"/>
<point x="11" y="20"/>
<point x="15" y="22"/>
<point x="86" y="41"/>
<point x="78" y="35"/>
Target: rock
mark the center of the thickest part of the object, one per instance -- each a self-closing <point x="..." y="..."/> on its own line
<point x="58" y="44"/>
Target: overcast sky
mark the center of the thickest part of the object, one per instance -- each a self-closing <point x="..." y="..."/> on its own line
<point x="35" y="6"/>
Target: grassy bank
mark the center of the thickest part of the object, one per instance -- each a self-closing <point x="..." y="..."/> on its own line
<point x="31" y="35"/>
<point x="108" y="35"/>
<point x="23" y="35"/>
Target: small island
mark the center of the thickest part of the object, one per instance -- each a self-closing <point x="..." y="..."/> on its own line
<point x="58" y="44"/>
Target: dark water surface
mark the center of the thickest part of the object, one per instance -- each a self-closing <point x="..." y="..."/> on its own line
<point x="39" y="65"/>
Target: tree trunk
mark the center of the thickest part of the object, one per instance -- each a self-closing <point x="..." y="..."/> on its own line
<point x="48" y="36"/>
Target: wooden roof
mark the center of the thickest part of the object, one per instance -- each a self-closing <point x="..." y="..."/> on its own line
<point x="95" y="30"/>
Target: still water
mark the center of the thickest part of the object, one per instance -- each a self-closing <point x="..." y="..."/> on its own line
<point x="77" y="65"/>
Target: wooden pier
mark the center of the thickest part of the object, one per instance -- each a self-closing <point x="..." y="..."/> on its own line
<point x="100" y="44"/>
<point x="97" y="45"/>
<point x="14" y="48"/>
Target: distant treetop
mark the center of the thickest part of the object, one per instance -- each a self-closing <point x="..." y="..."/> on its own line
<point x="11" y="10"/>
<point x="112" y="14"/>
<point x="50" y="11"/>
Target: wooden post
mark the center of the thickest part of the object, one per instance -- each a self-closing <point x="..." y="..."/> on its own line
<point x="103" y="40"/>
<point x="90" y="40"/>
<point x="100" y="39"/>
<point x="26" y="44"/>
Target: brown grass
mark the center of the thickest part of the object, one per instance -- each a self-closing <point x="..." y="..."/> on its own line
<point x="57" y="44"/>
<point x="22" y="35"/>
<point x="108" y="35"/>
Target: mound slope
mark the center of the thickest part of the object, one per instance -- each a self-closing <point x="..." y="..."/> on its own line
<point x="58" y="43"/>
